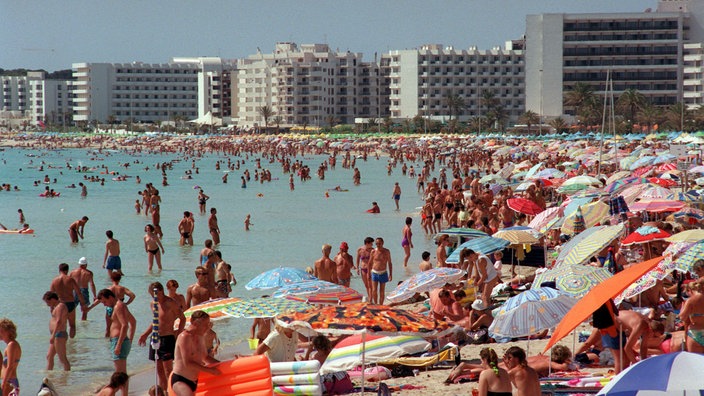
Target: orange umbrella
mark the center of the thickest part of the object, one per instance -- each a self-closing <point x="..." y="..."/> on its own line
<point x="597" y="296"/>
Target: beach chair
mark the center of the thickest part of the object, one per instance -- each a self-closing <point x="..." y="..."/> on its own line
<point x="448" y="354"/>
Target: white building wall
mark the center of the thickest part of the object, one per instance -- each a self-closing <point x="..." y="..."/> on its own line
<point x="543" y="70"/>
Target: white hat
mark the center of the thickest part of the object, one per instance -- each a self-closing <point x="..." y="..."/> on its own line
<point x="82" y="261"/>
<point x="478" y="305"/>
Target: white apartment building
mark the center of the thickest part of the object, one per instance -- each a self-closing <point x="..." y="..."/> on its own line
<point x="422" y="79"/>
<point x="35" y="98"/>
<point x="693" y="82"/>
<point x="185" y="87"/>
<point x="647" y="51"/>
<point x="309" y="85"/>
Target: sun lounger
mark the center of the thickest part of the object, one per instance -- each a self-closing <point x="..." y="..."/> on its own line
<point x="423" y="361"/>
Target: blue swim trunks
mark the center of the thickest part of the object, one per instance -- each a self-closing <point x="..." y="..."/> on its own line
<point x="124" y="351"/>
<point x="613" y="342"/>
<point x="114" y="263"/>
<point x="381" y="277"/>
<point x="84" y="293"/>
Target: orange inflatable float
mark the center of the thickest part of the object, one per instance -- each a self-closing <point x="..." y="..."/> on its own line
<point x="246" y="376"/>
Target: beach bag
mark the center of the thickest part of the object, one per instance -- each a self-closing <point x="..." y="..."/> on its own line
<point x="399" y="371"/>
<point x="339" y="384"/>
<point x="480" y="336"/>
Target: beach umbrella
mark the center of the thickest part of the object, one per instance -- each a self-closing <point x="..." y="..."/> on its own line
<point x="617" y="176"/>
<point x="483" y="245"/>
<point x="533" y="170"/>
<point x="347" y="354"/>
<point x="592" y="214"/>
<point x="687" y="236"/>
<point x="655" y="193"/>
<point x="643" y="172"/>
<point x="425" y="281"/>
<point x="597" y="296"/>
<point x="493" y="178"/>
<point x="633" y="191"/>
<point x="645" y="234"/>
<point x="531" y="312"/>
<point x="363" y="317"/>
<point x="541" y="220"/>
<point x="575" y="280"/>
<point x="466" y="233"/>
<point x="644" y="283"/>
<point x="524" y="205"/>
<point x="154" y="339"/>
<point x="278" y="277"/>
<point x="214" y="308"/>
<point x="689" y="257"/>
<point x="516" y="237"/>
<point x="677" y="373"/>
<point x="582" y="180"/>
<point x="263" y="307"/>
<point x="549" y="173"/>
<point x="684" y="197"/>
<point x="662" y="182"/>
<point x="657" y="206"/>
<point x="641" y="162"/>
<point x="319" y="292"/>
<point x="626" y="163"/>
<point x="581" y="252"/>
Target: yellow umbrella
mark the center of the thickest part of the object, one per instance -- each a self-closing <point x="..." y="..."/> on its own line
<point x="687" y="236"/>
<point x="592" y="213"/>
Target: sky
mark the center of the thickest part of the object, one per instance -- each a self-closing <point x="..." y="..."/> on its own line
<point x="53" y="34"/>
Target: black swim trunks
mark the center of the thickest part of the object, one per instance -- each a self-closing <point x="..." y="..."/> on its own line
<point x="179" y="378"/>
<point x="185" y="234"/>
<point x="71" y="305"/>
<point x="167" y="345"/>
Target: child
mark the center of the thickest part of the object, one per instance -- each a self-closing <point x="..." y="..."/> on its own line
<point x="212" y="342"/>
<point x="498" y="265"/>
<point x="137" y="206"/>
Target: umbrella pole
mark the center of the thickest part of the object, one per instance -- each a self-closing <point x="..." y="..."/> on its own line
<point x="364" y="347"/>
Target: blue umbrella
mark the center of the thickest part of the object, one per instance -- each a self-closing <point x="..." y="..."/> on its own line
<point x="678" y="373"/>
<point x="531" y="312"/>
<point x="278" y="277"/>
<point x="483" y="245"/>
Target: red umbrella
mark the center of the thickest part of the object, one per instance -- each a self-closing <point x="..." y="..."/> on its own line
<point x="662" y="182"/>
<point x="645" y="234"/>
<point x="524" y="205"/>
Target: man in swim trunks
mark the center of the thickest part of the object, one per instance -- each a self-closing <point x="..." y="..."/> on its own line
<point x="382" y="271"/>
<point x="191" y="356"/>
<point x="75" y="230"/>
<point x="324" y="268"/>
<point x="111" y="259"/>
<point x="185" y="229"/>
<point x="168" y="310"/>
<point x="84" y="278"/>
<point x="344" y="263"/>
<point x="121" y="332"/>
<point x="213" y="226"/>
<point x="396" y="194"/>
<point x="692" y="314"/>
<point x="57" y="329"/>
<point x="65" y="287"/>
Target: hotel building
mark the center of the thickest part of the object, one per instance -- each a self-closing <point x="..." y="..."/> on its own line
<point x="34" y="98"/>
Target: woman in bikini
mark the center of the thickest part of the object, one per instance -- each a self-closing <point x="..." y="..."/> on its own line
<point x="13" y="353"/>
<point x="363" y="264"/>
<point x="493" y="380"/>
<point x="153" y="246"/>
<point x="407" y="242"/>
<point x="692" y="315"/>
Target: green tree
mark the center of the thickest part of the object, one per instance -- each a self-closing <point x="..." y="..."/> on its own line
<point x="649" y="115"/>
<point x="278" y="120"/>
<point x="559" y="124"/>
<point x="529" y="118"/>
<point x="630" y="102"/>
<point x="677" y="115"/>
<point x="500" y="116"/>
<point x="580" y="95"/>
<point x="266" y="112"/>
<point x="455" y="104"/>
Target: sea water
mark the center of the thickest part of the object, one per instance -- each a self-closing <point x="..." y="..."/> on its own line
<point x="289" y="228"/>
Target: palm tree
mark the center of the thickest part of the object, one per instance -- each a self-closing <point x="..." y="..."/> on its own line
<point x="630" y="102"/>
<point x="488" y="100"/>
<point x="649" y="115"/>
<point x="500" y="114"/>
<point x="591" y="111"/>
<point x="455" y="104"/>
<point x="266" y="112"/>
<point x="529" y="118"/>
<point x="277" y="121"/>
<point x="111" y="121"/>
<point x="331" y="121"/>
<point x="559" y="124"/>
<point x="676" y="114"/>
<point x="580" y="94"/>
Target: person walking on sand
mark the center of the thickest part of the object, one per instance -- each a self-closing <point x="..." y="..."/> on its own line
<point x="396" y="194"/>
<point x="407" y="241"/>
<point x="344" y="263"/>
<point x="84" y="278"/>
<point x="122" y="329"/>
<point x="66" y="287"/>
<point x="111" y="259"/>
<point x="13" y="354"/>
<point x="324" y="268"/>
<point x="191" y="356"/>
<point x="153" y="247"/>
<point x="75" y="230"/>
<point x="57" y="330"/>
<point x="185" y="229"/>
<point x="382" y="271"/>
<point x="169" y="311"/>
<point x="202" y="198"/>
<point x="213" y="226"/>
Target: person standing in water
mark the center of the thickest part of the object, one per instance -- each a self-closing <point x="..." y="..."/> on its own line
<point x="111" y="259"/>
<point x="153" y="247"/>
<point x="396" y="194"/>
<point x="407" y="241"/>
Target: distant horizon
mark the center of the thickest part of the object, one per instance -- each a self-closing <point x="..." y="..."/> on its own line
<point x="53" y="35"/>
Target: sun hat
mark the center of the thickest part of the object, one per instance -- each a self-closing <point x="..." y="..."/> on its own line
<point x="478" y="305"/>
<point x="82" y="261"/>
<point x="344" y="246"/>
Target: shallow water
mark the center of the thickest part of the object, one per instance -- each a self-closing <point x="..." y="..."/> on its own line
<point x="289" y="229"/>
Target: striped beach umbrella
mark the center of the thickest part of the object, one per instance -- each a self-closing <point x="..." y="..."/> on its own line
<point x="214" y="308"/>
<point x="592" y="214"/>
<point x="154" y="339"/>
<point x="524" y="205"/>
<point x="425" y="281"/>
<point x="347" y="354"/>
<point x="264" y="307"/>
<point x="517" y="237"/>
<point x="575" y="280"/>
<point x="319" y="292"/>
<point x="695" y="235"/>
<point x="483" y="245"/>
<point x="531" y="312"/>
<point x="541" y="220"/>
<point x="278" y="277"/>
<point x="689" y="257"/>
<point x="655" y="193"/>
<point x="582" y="251"/>
<point x="657" y="206"/>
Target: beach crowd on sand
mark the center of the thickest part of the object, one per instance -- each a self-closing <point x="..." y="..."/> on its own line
<point x="556" y="191"/>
